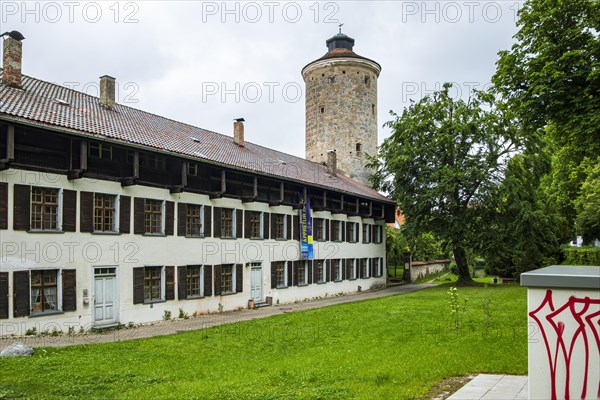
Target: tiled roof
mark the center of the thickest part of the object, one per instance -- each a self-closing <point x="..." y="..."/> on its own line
<point x="38" y="104"/>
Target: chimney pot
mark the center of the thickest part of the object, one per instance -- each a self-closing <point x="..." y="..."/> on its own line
<point x="12" y="59"/>
<point x="331" y="162"/>
<point x="107" y="92"/>
<point x="238" y="132"/>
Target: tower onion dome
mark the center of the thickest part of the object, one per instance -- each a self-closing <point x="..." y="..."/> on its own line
<point x="340" y="46"/>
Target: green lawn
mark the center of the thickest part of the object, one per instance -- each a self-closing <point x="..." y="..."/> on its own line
<point x="396" y="347"/>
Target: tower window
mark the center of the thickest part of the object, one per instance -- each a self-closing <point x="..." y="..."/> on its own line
<point x="322" y="74"/>
<point x="322" y="110"/>
<point x="373" y="109"/>
<point x="343" y="72"/>
<point x="332" y="79"/>
<point x="367" y="81"/>
<point x="358" y="149"/>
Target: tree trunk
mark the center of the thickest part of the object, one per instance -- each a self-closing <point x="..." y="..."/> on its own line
<point x="460" y="257"/>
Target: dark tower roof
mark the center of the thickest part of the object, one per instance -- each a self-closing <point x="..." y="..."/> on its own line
<point x="340" y="46"/>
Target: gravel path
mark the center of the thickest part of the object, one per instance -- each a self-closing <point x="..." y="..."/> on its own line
<point x="202" y="321"/>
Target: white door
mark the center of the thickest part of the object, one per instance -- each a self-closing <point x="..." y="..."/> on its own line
<point x="256" y="284"/>
<point x="105" y="296"/>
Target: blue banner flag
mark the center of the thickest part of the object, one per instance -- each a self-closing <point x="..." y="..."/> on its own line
<point x="306" y="238"/>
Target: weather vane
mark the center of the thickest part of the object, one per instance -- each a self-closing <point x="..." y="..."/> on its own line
<point x="340" y="26"/>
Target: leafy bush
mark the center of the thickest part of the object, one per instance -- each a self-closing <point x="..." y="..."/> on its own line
<point x="587" y="255"/>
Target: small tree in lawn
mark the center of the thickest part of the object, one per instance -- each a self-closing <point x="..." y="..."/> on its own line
<point x="443" y="163"/>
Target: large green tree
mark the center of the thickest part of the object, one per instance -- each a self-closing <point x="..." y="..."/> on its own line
<point x="551" y="79"/>
<point x="443" y="164"/>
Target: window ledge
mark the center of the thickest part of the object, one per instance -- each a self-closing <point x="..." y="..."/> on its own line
<point x="321" y="283"/>
<point x="193" y="298"/>
<point x="44" y="231"/>
<point x="353" y="279"/>
<point x="257" y="238"/>
<point x="228" y="237"/>
<point x="154" y="234"/>
<point x="227" y="294"/>
<point x="195" y="236"/>
<point x="106" y="233"/>
<point x="302" y="284"/>
<point x="154" y="301"/>
<point x="338" y="280"/>
<point x="282" y="287"/>
<point x="43" y="314"/>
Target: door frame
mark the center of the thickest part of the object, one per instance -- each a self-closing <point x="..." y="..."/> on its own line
<point x="117" y="298"/>
<point x="258" y="266"/>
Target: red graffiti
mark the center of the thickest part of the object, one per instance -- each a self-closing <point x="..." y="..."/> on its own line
<point x="570" y="325"/>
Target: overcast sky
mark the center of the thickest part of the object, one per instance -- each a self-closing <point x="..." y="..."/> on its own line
<point x="206" y="63"/>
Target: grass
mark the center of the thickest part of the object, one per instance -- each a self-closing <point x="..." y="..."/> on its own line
<point x="395" y="347"/>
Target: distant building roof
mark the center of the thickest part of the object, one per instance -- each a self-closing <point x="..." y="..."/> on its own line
<point x="51" y="106"/>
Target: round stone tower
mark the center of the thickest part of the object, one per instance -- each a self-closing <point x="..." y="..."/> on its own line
<point x="341" y="107"/>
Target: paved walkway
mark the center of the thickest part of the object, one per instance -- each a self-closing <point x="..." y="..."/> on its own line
<point x="493" y="387"/>
<point x="202" y="321"/>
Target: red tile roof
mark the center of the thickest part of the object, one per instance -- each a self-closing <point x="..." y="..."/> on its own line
<point x="38" y="104"/>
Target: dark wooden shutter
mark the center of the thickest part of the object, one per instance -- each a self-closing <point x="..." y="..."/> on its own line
<point x="247" y="215"/>
<point x="207" y="221"/>
<point x="3" y="295"/>
<point x="343" y="229"/>
<point x="86" y="211"/>
<point x="273" y="230"/>
<point x="22" y="213"/>
<point x="69" y="217"/>
<point x="373" y="269"/>
<point x="138" y="216"/>
<point x="327" y="266"/>
<point x="217" y="228"/>
<point x="207" y="280"/>
<point x="181" y="281"/>
<point x="138" y="285"/>
<point x="296" y="228"/>
<point x="169" y="218"/>
<point x="266" y="225"/>
<point x="69" y="289"/>
<point x="348" y="227"/>
<point x="290" y="274"/>
<point x="3" y="206"/>
<point x="343" y="267"/>
<point x="288" y="234"/>
<point x="273" y="276"/>
<point x="124" y="214"/>
<point x="181" y="219"/>
<point x="217" y="280"/>
<point x="170" y="283"/>
<point x="239" y="278"/>
<point x="295" y="266"/>
<point x="326" y="223"/>
<point x="239" y="220"/>
<point x="310" y="271"/>
<point x="373" y="234"/>
<point x="347" y="268"/>
<point x="21" y="293"/>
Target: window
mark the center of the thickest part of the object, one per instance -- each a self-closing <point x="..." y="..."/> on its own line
<point x="194" y="281"/>
<point x="280" y="224"/>
<point x="378" y="266"/>
<point x="44" y="209"/>
<point x="322" y="110"/>
<point x="318" y="229"/>
<point x="320" y="271"/>
<point x="192" y="169"/>
<point x="227" y="223"/>
<point x="100" y="150"/>
<point x="227" y="278"/>
<point x="280" y="273"/>
<point x="153" y="277"/>
<point x="358" y="149"/>
<point x="44" y="291"/>
<point x="147" y="160"/>
<point x="153" y="216"/>
<point x="367" y="81"/>
<point x="105" y="213"/>
<point x="256" y="224"/>
<point x="353" y="232"/>
<point x="377" y="233"/>
<point x="336" y="270"/>
<point x="336" y="230"/>
<point x="194" y="220"/>
<point x="351" y="268"/>
<point x="364" y="267"/>
<point x="366" y="233"/>
<point x="373" y="109"/>
<point x="303" y="273"/>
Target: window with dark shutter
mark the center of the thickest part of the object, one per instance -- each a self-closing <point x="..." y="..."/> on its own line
<point x="169" y="218"/>
<point x="3" y="205"/>
<point x="290" y="275"/>
<point x="170" y="280"/>
<point x="69" y="210"/>
<point x="22" y="207"/>
<point x="239" y="278"/>
<point x="138" y="285"/>
<point x="207" y="221"/>
<point x="138" y="216"/>
<point x="239" y="220"/>
<point x="69" y="290"/>
<point x="217" y="228"/>
<point x="208" y="280"/>
<point x="217" y="279"/>
<point x="124" y="214"/>
<point x="266" y="225"/>
<point x="310" y="271"/>
<point x="181" y="220"/>
<point x="3" y="295"/>
<point x="181" y="282"/>
<point x="295" y="267"/>
<point x="288" y="234"/>
<point x="21" y="293"/>
<point x="343" y="267"/>
<point x="296" y="228"/>
<point x="86" y="211"/>
<point x="273" y="275"/>
<point x="327" y="272"/>
<point x="326" y="223"/>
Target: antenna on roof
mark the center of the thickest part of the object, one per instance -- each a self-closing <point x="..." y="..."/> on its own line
<point x="340" y="26"/>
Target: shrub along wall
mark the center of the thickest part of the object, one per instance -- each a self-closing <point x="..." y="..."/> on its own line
<point x="581" y="255"/>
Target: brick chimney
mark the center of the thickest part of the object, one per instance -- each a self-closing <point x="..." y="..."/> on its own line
<point x="107" y="92"/>
<point x="331" y="162"/>
<point x="238" y="132"/>
<point x="11" y="72"/>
